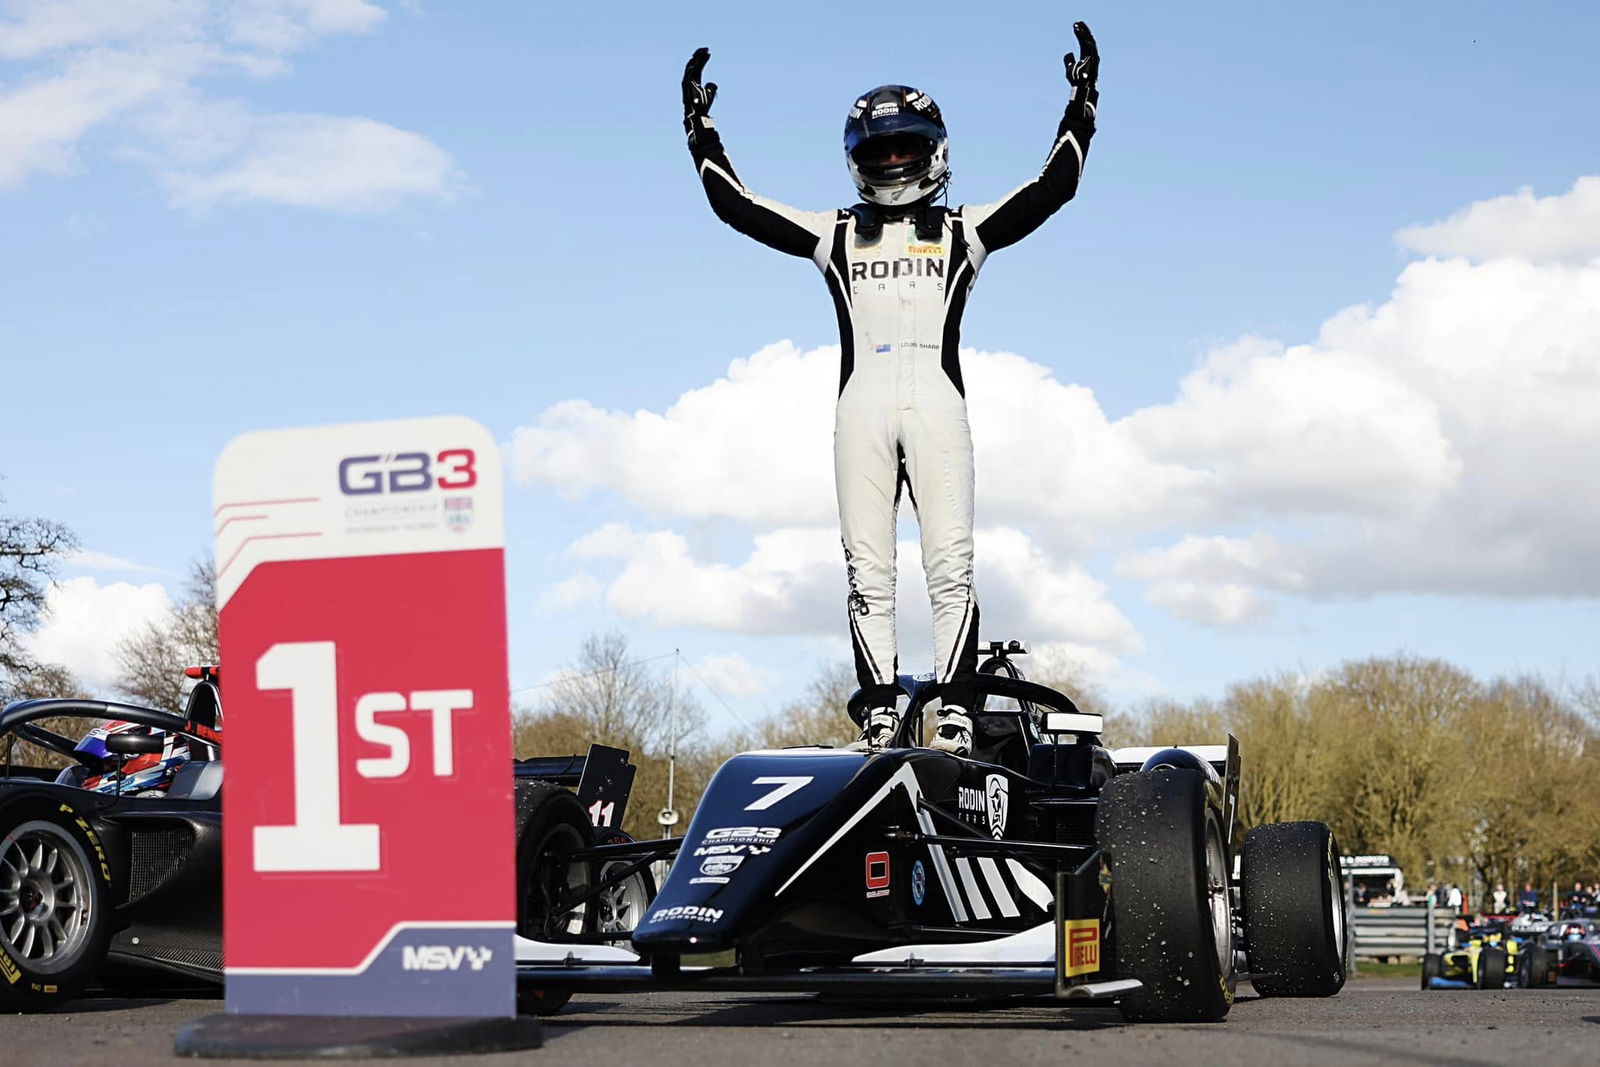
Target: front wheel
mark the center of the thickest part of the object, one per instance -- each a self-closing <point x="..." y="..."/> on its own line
<point x="1492" y="968"/>
<point x="54" y="893"/>
<point x="1171" y="907"/>
<point x="1294" y="924"/>
<point x="1432" y="967"/>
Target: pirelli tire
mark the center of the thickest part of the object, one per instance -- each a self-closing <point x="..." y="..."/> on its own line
<point x="1292" y="897"/>
<point x="1171" y="904"/>
<point x="1432" y="967"/>
<point x="55" y="894"/>
<point x="554" y="825"/>
<point x="1536" y="972"/>
<point x="1492" y="968"/>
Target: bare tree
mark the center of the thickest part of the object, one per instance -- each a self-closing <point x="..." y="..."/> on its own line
<point x="610" y="697"/>
<point x="152" y="660"/>
<point x="818" y="717"/>
<point x="30" y="550"/>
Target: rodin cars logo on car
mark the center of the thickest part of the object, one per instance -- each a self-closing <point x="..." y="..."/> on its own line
<point x="997" y="790"/>
<point x="444" y="957"/>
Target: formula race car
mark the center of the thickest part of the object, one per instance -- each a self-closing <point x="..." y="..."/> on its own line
<point x="1563" y="953"/>
<point x="111" y="869"/>
<point x="114" y="865"/>
<point x="1041" y="865"/>
<point x="1488" y="958"/>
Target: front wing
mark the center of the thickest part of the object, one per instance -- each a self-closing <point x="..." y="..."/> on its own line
<point x="1070" y="958"/>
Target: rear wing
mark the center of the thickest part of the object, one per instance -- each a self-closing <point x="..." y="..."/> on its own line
<point x="603" y="780"/>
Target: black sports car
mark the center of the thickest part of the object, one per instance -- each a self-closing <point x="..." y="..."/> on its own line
<point x="107" y="881"/>
<point x="1042" y="864"/>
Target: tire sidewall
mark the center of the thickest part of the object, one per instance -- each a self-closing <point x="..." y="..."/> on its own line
<point x="557" y="816"/>
<point x="1295" y="953"/>
<point x="1163" y="931"/>
<point x="22" y="983"/>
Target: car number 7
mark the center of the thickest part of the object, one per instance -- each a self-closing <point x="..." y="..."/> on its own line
<point x="786" y="787"/>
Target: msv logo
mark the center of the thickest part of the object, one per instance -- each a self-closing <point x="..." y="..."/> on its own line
<point x="445" y="957"/>
<point x="408" y="472"/>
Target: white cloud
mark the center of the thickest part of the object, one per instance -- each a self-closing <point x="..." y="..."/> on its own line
<point x="580" y="590"/>
<point x="141" y="72"/>
<point x="793" y="582"/>
<point x="1214" y="580"/>
<point x="85" y="621"/>
<point x="731" y="676"/>
<point x="322" y="161"/>
<point x="1548" y="229"/>
<point x="101" y="561"/>
<point x="753" y="445"/>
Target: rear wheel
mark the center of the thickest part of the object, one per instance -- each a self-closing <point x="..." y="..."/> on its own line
<point x="1293" y="900"/>
<point x="547" y="879"/>
<point x="1492" y="968"/>
<point x="1171" y="908"/>
<point x="1432" y="967"/>
<point x="619" y="908"/>
<point x="54" y="894"/>
<point x="1536" y="972"/>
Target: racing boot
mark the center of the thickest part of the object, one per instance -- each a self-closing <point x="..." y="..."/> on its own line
<point x="879" y="731"/>
<point x="953" y="734"/>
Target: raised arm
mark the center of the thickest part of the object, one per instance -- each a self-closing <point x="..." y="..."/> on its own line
<point x="1011" y="218"/>
<point x="799" y="233"/>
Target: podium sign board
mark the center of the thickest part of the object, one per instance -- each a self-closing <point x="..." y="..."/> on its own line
<point x="367" y="813"/>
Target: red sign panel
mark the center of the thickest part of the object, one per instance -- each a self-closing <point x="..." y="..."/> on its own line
<point x="367" y="813"/>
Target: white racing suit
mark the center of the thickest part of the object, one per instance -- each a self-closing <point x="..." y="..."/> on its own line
<point x="899" y="288"/>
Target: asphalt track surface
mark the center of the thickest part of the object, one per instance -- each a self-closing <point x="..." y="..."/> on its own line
<point x="1374" y="1021"/>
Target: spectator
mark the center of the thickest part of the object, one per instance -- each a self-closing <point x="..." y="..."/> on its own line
<point x="1453" y="899"/>
<point x="1501" y="898"/>
<point x="1528" y="899"/>
<point x="1578" y="900"/>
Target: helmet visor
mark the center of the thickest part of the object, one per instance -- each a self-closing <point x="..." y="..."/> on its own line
<point x="892" y="150"/>
<point x="859" y="131"/>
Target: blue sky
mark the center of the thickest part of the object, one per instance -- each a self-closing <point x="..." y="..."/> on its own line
<point x="223" y="217"/>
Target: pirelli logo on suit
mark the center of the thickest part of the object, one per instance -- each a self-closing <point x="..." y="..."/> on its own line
<point x="901" y="267"/>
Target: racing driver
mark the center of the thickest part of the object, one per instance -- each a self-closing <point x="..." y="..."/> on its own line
<point x="899" y="267"/>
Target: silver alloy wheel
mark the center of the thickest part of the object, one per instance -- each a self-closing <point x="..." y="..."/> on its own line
<point x="621" y="907"/>
<point x="1219" y="898"/>
<point x="46" y="896"/>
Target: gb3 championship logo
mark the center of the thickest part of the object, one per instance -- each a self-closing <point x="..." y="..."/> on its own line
<point x="408" y="472"/>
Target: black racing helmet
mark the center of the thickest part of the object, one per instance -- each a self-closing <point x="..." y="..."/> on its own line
<point x="896" y="146"/>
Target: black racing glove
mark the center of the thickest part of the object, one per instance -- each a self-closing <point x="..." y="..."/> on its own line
<point x="697" y="98"/>
<point x="1081" y="73"/>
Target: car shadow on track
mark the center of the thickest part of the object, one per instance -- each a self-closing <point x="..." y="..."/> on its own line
<point x="813" y="1011"/>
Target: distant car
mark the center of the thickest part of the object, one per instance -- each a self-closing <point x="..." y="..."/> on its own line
<point x="1488" y="958"/>
<point x="1564" y="953"/>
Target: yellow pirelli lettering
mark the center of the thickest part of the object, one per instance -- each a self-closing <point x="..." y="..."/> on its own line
<point x="1080" y="941"/>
